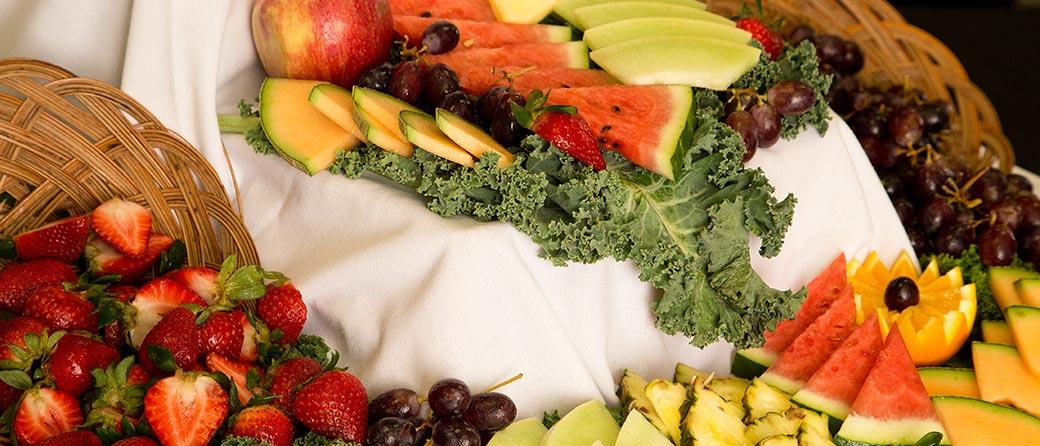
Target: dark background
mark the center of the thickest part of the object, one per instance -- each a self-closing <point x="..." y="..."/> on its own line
<point x="999" y="44"/>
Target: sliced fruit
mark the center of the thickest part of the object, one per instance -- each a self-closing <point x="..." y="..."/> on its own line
<point x="642" y="123"/>
<point x="530" y="11"/>
<point x="471" y="138"/>
<point x="773" y="424"/>
<point x="421" y="129"/>
<point x="379" y="119"/>
<point x="667" y="399"/>
<point x="761" y="398"/>
<point x="779" y="440"/>
<point x="945" y="381"/>
<point x="60" y="240"/>
<point x="833" y="388"/>
<point x="543" y="55"/>
<point x="337" y="104"/>
<point x="476" y="80"/>
<point x="444" y="9"/>
<point x="302" y="135"/>
<point x="677" y="60"/>
<point x="104" y="260"/>
<point x="799" y="361"/>
<point x="1028" y="291"/>
<point x="892" y="407"/>
<point x="526" y="432"/>
<point x="631" y="29"/>
<point x="1002" y="284"/>
<point x="587" y="423"/>
<point x="997" y="332"/>
<point x="632" y="393"/>
<point x="473" y="34"/>
<point x="1024" y="322"/>
<point x="637" y="431"/>
<point x="237" y="372"/>
<point x="153" y="301"/>
<point x="685" y="374"/>
<point x="588" y="17"/>
<point x="185" y="409"/>
<point x="751" y="362"/>
<point x="565" y="8"/>
<point x="973" y="422"/>
<point x="382" y="138"/>
<point x="711" y="420"/>
<point x="124" y="225"/>
<point x="1003" y="377"/>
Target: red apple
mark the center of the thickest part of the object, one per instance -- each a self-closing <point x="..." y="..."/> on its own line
<point x="327" y="40"/>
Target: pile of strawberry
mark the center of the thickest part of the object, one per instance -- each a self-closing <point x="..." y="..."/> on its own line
<point x="106" y="339"/>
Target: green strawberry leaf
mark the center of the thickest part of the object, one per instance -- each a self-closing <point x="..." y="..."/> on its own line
<point x="17" y="379"/>
<point x="245" y="284"/>
<point x="162" y="359"/>
<point x="930" y="439"/>
<point x="7" y="250"/>
<point x="173" y="258"/>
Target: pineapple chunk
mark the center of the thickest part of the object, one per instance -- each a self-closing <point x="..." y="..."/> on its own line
<point x="632" y="393"/>
<point x="685" y="374"/>
<point x="667" y="399"/>
<point x="779" y="440"/>
<point x="773" y="424"/>
<point x="808" y="436"/>
<point x="710" y="420"/>
<point x="761" y="398"/>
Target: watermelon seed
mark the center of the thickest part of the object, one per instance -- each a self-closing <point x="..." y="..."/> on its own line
<point x="606" y="128"/>
<point x="616" y="109"/>
<point x="426" y="14"/>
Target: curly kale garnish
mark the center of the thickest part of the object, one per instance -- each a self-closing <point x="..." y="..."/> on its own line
<point x="797" y="63"/>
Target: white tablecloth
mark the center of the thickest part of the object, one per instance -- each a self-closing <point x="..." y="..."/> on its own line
<point x="409" y="297"/>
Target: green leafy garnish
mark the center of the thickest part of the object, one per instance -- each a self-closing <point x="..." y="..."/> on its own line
<point x="549" y="419"/>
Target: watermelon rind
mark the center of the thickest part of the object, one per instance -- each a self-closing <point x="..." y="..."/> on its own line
<point x="578" y="54"/>
<point x="859" y="430"/>
<point x="782" y="383"/>
<point x="751" y="362"/>
<point x="672" y="130"/>
<point x="836" y="411"/>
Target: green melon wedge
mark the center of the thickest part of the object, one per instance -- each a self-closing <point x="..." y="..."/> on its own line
<point x="677" y="60"/>
<point x="589" y="17"/>
<point x="565" y="8"/>
<point x="637" y="431"/>
<point x="526" y="432"/>
<point x="631" y="29"/>
<point x="586" y="424"/>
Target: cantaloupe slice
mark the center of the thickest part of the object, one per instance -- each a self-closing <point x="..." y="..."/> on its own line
<point x="300" y="133"/>
<point x="1002" y="284"/>
<point x="381" y="137"/>
<point x="421" y="130"/>
<point x="972" y="422"/>
<point x="1024" y="322"/>
<point x="1003" y="378"/>
<point x="997" y="332"/>
<point x="945" y="381"/>
<point x="472" y="138"/>
<point x="337" y="104"/>
<point x="1028" y="291"/>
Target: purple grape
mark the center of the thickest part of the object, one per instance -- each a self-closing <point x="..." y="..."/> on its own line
<point x="490" y="412"/>
<point x="869" y="123"/>
<point x="935" y="117"/>
<point x="892" y="183"/>
<point x="918" y="240"/>
<point x="1018" y="185"/>
<point x="454" y="432"/>
<point x="767" y="123"/>
<point x="449" y="397"/>
<point x="851" y="61"/>
<point x="1007" y="213"/>
<point x="902" y="293"/>
<point x="391" y="432"/>
<point x="990" y="188"/>
<point x="1030" y="206"/>
<point x="377" y="78"/>
<point x="829" y="49"/>
<point x="440" y="37"/>
<point x="1030" y="246"/>
<point x="905" y="211"/>
<point x="928" y="182"/>
<point x="800" y="34"/>
<point x="954" y="240"/>
<point x="906" y="126"/>
<point x="882" y="154"/>
<point x="791" y="98"/>
<point x="744" y="124"/>
<point x="935" y="215"/>
<point x="406" y="82"/>
<point x="440" y="82"/>
<point x="504" y="127"/>
<point x="840" y="94"/>
<point x="400" y="403"/>
<point x="997" y="246"/>
<point x="461" y="104"/>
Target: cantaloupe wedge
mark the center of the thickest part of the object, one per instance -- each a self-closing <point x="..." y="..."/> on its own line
<point x="300" y="133"/>
<point x="337" y="104"/>
<point x="997" y="332"/>
<point x="1024" y="322"/>
<point x="421" y="130"/>
<point x="972" y="422"/>
<point x="945" y="381"/>
<point x="1028" y="291"/>
<point x="1003" y="377"/>
<point x="1002" y="284"/>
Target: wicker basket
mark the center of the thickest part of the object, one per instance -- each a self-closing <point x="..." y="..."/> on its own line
<point x="897" y="52"/>
<point x="68" y="143"/>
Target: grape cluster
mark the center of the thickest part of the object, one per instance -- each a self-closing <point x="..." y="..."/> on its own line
<point x="455" y="416"/>
<point x="756" y="118"/>
<point x="944" y="206"/>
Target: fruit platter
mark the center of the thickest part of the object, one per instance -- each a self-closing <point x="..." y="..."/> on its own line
<point x="517" y="223"/>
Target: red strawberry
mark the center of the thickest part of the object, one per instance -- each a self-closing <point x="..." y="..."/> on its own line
<point x="185" y="409"/>
<point x="123" y="224"/>
<point x="104" y="260"/>
<point x="136" y="441"/>
<point x="122" y="293"/>
<point x="153" y="300"/>
<point x="8" y="396"/>
<point x="113" y="333"/>
<point x="266" y="424"/>
<point x="109" y="419"/>
<point x="562" y="127"/>
<point x="222" y="333"/>
<point x="73" y="360"/>
<point x="44" y="413"/>
<point x="138" y="375"/>
<point x="770" y="40"/>
<point x="75" y="438"/>
<point x="285" y="377"/>
<point x="13" y="333"/>
<point x="176" y="334"/>
<point x="19" y="280"/>
<point x="250" y="350"/>
<point x="237" y="372"/>
<point x="334" y="405"/>
<point x="282" y="308"/>
<point x="201" y="280"/>
<point x="119" y="395"/>
<point x="61" y="309"/>
<point x="62" y="240"/>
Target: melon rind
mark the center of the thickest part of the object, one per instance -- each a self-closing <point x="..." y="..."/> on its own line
<point x="677" y="60"/>
<point x="565" y="8"/>
<point x="671" y="131"/>
<point x="604" y="36"/>
<point x="578" y="54"/>
<point x="859" y="430"/>
<point x="751" y="362"/>
<point x="835" y="410"/>
<point x="782" y="383"/>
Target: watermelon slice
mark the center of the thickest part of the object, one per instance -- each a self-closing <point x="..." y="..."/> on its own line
<point x="642" y="123"/>
<point x="797" y="363"/>
<point x="477" y="80"/>
<point x="833" y="387"/>
<point x="822" y="292"/>
<point x="479" y="10"/>
<point x="483" y="34"/>
<point x="543" y="55"/>
<point x="892" y="407"/>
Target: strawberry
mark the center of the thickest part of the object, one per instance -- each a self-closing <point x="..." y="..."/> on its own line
<point x="136" y="441"/>
<point x="153" y="300"/>
<point x="265" y="424"/>
<point x="14" y="334"/>
<point x="75" y="438"/>
<point x="73" y="360"/>
<point x="185" y="409"/>
<point x="113" y="334"/>
<point x="119" y="395"/>
<point x="61" y="309"/>
<point x="334" y="405"/>
<point x="173" y="343"/>
<point x="44" y="413"/>
<point x="201" y="280"/>
<point x="123" y="224"/>
<point x="287" y="376"/>
<point x="222" y="333"/>
<point x="19" y="280"/>
<point x="770" y="40"/>
<point x="108" y="421"/>
<point x="8" y="395"/>
<point x="104" y="260"/>
<point x="282" y="308"/>
<point x="138" y="375"/>
<point x="237" y="372"/>
<point x="62" y="240"/>
<point x="562" y="127"/>
<point x="250" y="350"/>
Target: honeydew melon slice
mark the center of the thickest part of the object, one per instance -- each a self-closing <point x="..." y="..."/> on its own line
<point x="565" y="8"/>
<point x="637" y="431"/>
<point x="631" y="29"/>
<point x="523" y="12"/>
<point x="583" y="426"/>
<point x="526" y="432"/>
<point x="589" y="17"/>
<point x="677" y="60"/>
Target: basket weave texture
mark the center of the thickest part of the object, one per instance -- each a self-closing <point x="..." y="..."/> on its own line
<point x="68" y="144"/>
<point x="897" y="53"/>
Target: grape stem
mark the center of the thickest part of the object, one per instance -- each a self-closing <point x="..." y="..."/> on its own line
<point x="507" y="382"/>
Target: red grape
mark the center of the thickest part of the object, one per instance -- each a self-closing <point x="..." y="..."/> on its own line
<point x="1030" y="246"/>
<point x="997" y="246"/>
<point x="767" y="122"/>
<point x="791" y="97"/>
<point x="906" y="126"/>
<point x="882" y="154"/>
<point x="440" y="37"/>
<point x="1007" y="213"/>
<point x="954" y="239"/>
<point x="935" y="215"/>
<point x="851" y="59"/>
<point x="744" y="124"/>
<point x="377" y="78"/>
<point x="406" y="82"/>
<point x="440" y="82"/>
<point x="1030" y="207"/>
<point x="990" y="188"/>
